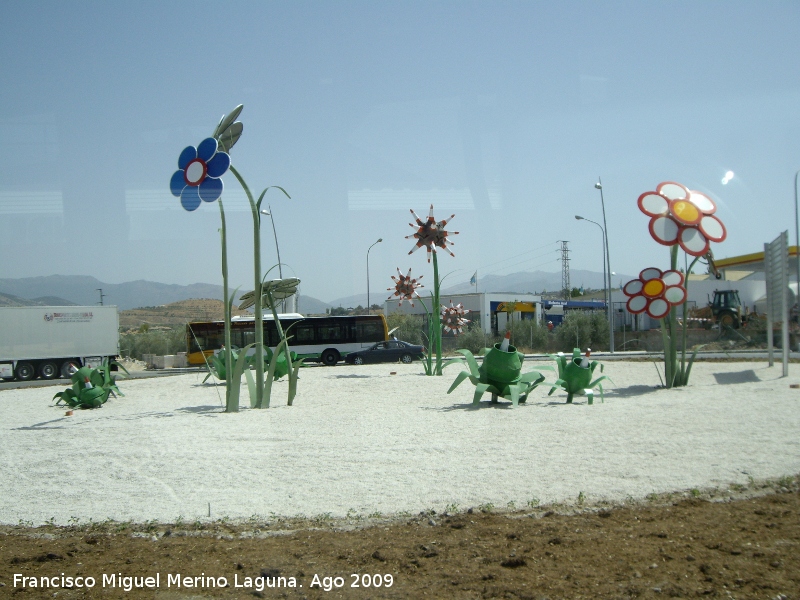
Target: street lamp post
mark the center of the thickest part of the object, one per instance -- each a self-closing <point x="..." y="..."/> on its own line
<point x="606" y="290"/>
<point x="797" y="237"/>
<point x="368" y="249"/>
<point x="599" y="186"/>
<point x="268" y="212"/>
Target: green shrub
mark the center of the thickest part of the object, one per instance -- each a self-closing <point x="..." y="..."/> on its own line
<point x="582" y="330"/>
<point x="410" y="328"/>
<point x="473" y="339"/>
<point x="529" y="335"/>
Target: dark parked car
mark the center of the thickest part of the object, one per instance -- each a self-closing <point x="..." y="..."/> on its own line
<point x="390" y="351"/>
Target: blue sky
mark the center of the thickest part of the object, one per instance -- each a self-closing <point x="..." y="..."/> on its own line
<point x="504" y="113"/>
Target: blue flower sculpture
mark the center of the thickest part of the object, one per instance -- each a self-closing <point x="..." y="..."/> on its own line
<point x="198" y="174"/>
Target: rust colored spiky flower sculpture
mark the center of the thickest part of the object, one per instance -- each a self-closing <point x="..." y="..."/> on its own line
<point x="453" y="317"/>
<point x="405" y="287"/>
<point x="431" y="234"/>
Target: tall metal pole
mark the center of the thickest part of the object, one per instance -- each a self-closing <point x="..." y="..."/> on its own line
<point x="368" y="249"/>
<point x="606" y="291"/>
<point x="566" y="289"/>
<point x="599" y="186"/>
<point x="268" y="212"/>
<point x="797" y="239"/>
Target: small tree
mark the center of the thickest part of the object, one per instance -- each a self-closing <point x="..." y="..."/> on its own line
<point x="529" y="334"/>
<point x="582" y="330"/>
<point x="410" y="328"/>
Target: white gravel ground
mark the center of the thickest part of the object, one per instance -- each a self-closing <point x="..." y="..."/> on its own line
<point x="361" y="439"/>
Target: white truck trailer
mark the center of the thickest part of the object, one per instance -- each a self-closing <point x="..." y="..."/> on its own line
<point x="48" y="341"/>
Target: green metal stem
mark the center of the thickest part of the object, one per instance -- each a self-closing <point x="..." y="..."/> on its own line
<point x="671" y="350"/>
<point x="438" y="332"/>
<point x="259" y="315"/>
<point x="666" y="342"/>
<point x="428" y="370"/>
<point x="231" y="404"/>
<point x="287" y="353"/>
<point x="684" y="378"/>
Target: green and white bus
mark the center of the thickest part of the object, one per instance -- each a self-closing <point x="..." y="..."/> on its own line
<point x="323" y="339"/>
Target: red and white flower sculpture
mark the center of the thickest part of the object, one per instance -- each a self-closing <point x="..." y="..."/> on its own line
<point x="682" y="216"/>
<point x="431" y="234"/>
<point x="405" y="287"/>
<point x="656" y="292"/>
<point x="453" y="317"/>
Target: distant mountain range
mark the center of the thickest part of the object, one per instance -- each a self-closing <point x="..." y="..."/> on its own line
<point x="63" y="290"/>
<point x="11" y="300"/>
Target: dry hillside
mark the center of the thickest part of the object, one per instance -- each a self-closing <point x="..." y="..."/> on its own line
<point x="177" y="313"/>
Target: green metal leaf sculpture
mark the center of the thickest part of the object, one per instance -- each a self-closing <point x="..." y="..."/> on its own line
<point x="278" y="289"/>
<point x="90" y="387"/>
<point x="276" y="369"/>
<point x="500" y="374"/>
<point x="576" y="379"/>
<point x="229" y="130"/>
<point x="216" y="365"/>
<point x="279" y="363"/>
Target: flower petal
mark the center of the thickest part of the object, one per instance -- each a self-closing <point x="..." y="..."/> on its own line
<point x="218" y="165"/>
<point x="188" y="155"/>
<point x="190" y="198"/>
<point x="633" y="287"/>
<point x="177" y="183"/>
<point x="693" y="241"/>
<point x="650" y="273"/>
<point x="652" y="204"/>
<point x="713" y="229"/>
<point x="207" y="148"/>
<point x="675" y="294"/>
<point x="658" y="308"/>
<point x="672" y="190"/>
<point x="637" y="304"/>
<point x="664" y="230"/>
<point x="702" y="202"/>
<point x="210" y="189"/>
<point x="672" y="278"/>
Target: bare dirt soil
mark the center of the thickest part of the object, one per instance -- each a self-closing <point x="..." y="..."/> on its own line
<point x="737" y="543"/>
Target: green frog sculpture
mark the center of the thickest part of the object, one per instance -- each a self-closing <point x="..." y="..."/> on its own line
<point x="500" y="374"/>
<point x="575" y="375"/>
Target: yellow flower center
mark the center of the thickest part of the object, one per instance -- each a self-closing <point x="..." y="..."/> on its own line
<point x="686" y="211"/>
<point x="653" y="288"/>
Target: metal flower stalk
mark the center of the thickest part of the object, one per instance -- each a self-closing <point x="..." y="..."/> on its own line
<point x="231" y="402"/>
<point x="255" y="208"/>
<point x="198" y="180"/>
<point x="432" y="234"/>
<point x="683" y="218"/>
